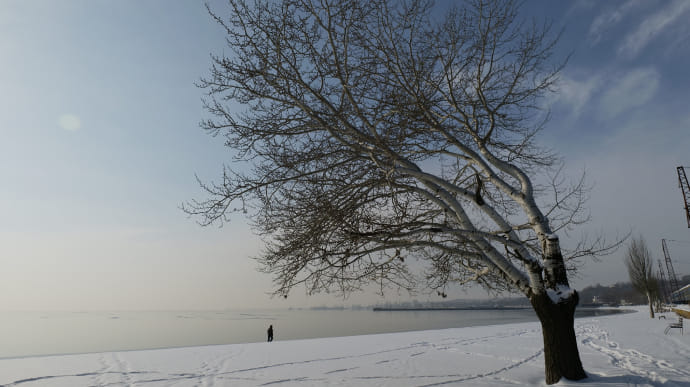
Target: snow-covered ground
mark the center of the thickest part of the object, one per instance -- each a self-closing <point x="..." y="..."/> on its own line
<point x="617" y="350"/>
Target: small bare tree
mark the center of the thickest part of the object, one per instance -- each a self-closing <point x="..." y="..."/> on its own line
<point x="378" y="134"/>
<point x="640" y="269"/>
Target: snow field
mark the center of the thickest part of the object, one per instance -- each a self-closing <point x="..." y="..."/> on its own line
<point x="617" y="350"/>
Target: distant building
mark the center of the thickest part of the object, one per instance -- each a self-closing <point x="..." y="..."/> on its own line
<point x="681" y="296"/>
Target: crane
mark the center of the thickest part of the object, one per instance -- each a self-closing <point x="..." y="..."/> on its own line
<point x="685" y="188"/>
<point x="673" y="281"/>
<point x="665" y="294"/>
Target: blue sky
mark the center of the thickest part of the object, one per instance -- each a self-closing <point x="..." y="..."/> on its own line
<point x="99" y="144"/>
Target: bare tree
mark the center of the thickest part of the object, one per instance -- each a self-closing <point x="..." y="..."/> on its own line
<point x="375" y="134"/>
<point x="639" y="264"/>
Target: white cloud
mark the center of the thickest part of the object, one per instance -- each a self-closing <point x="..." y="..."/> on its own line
<point x="575" y="94"/>
<point x="604" y="94"/>
<point x="629" y="91"/>
<point x="69" y="122"/>
<point x="654" y="25"/>
<point x="608" y="19"/>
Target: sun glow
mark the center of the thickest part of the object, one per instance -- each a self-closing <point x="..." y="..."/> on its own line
<point x="69" y="122"/>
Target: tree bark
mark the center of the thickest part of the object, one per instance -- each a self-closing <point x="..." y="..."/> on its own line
<point x="561" y="356"/>
<point x="651" y="305"/>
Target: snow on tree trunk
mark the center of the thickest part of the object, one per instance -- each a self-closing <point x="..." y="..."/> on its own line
<point x="556" y="311"/>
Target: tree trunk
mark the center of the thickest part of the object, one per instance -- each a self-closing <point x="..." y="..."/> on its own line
<point x="561" y="356"/>
<point x="651" y="303"/>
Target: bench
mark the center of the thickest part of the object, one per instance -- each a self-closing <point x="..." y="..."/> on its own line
<point x="677" y="325"/>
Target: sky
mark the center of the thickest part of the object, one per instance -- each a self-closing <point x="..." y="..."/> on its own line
<point x="100" y="145"/>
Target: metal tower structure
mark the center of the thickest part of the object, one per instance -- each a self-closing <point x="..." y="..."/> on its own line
<point x="683" y="182"/>
<point x="672" y="280"/>
<point x="663" y="285"/>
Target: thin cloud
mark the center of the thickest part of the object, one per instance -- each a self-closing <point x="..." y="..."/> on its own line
<point x="609" y="18"/>
<point x="653" y="26"/>
<point x="576" y="94"/>
<point x="631" y="90"/>
<point x="607" y="96"/>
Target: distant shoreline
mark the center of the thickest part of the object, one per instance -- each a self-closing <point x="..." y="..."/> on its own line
<point x="583" y="311"/>
<point x="384" y="309"/>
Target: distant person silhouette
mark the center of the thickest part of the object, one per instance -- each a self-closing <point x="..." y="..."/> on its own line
<point x="270" y="333"/>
